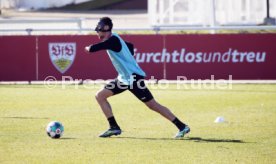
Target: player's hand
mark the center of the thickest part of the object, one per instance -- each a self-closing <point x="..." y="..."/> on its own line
<point x="87" y="48"/>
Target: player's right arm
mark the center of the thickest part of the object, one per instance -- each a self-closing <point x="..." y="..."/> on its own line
<point x="113" y="43"/>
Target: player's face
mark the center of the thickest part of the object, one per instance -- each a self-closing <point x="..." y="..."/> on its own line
<point x="103" y="35"/>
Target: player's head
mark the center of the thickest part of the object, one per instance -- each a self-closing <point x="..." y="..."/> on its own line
<point x="104" y="28"/>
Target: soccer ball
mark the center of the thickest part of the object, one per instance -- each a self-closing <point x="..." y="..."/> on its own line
<point x="55" y="129"/>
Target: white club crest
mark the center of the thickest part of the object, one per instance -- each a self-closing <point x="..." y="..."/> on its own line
<point x="62" y="55"/>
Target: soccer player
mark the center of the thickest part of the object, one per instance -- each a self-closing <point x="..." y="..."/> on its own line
<point x="130" y="77"/>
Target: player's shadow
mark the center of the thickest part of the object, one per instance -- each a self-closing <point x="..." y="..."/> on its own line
<point x="195" y="139"/>
<point x="198" y="139"/>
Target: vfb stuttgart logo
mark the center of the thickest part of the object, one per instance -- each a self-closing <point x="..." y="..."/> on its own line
<point x="62" y="55"/>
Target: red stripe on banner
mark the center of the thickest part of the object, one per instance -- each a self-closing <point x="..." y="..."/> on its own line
<point x="18" y="58"/>
<point x="243" y="56"/>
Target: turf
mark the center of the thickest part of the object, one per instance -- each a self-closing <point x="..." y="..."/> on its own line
<point x="247" y="136"/>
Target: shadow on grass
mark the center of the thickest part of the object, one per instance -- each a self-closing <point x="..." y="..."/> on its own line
<point x="140" y="138"/>
<point x="195" y="139"/>
<point x="198" y="139"/>
<point x="67" y="138"/>
<point x="26" y="118"/>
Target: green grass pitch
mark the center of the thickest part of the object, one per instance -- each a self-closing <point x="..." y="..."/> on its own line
<point x="247" y="136"/>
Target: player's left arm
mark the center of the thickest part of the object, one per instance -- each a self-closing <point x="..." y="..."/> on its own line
<point x="130" y="46"/>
